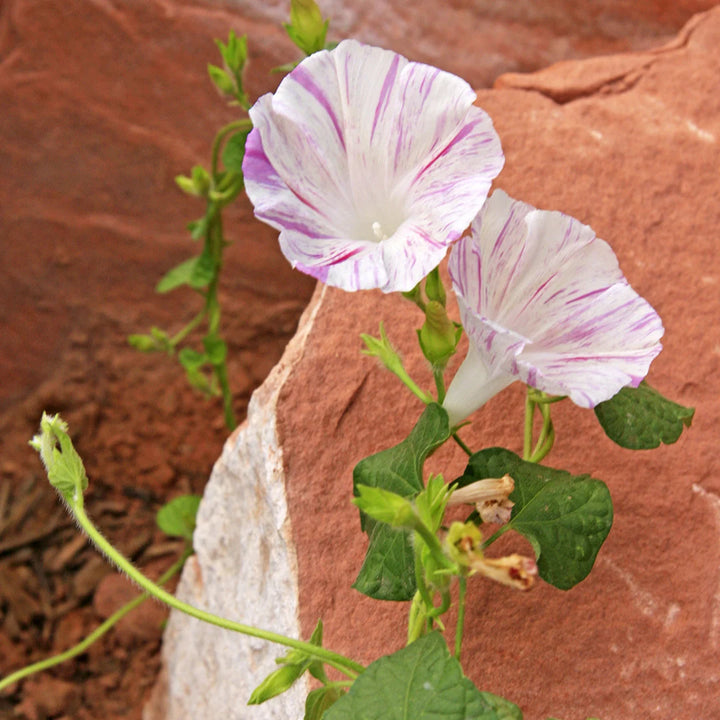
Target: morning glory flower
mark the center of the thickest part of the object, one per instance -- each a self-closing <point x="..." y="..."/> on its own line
<point x="369" y="165"/>
<point x="543" y="301"/>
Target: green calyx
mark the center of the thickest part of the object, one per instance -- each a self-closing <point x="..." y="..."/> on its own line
<point x="64" y="466"/>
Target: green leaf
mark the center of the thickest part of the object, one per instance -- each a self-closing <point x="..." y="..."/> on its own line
<point x="386" y="507"/>
<point x="143" y="343"/>
<point x="177" y="517"/>
<point x="420" y="681"/>
<point x="319" y="700"/>
<point x="641" y="418"/>
<point x="566" y="518"/>
<point x="197" y="272"/>
<point x="197" y="228"/>
<point x="191" y="359"/>
<point x="234" y="152"/>
<point x="222" y="81"/>
<point x="215" y="348"/>
<point x="388" y="570"/>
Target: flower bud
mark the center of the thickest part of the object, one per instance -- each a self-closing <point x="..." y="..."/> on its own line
<point x="439" y="335"/>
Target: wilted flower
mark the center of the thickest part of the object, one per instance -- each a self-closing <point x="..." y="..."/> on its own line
<point x="464" y="545"/>
<point x="543" y="300"/>
<point x="490" y="497"/>
<point x="369" y="165"/>
<point x="517" y="571"/>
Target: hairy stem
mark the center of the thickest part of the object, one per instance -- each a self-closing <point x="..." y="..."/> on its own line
<point x="339" y="662"/>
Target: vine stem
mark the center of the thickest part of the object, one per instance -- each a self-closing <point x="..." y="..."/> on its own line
<point x="244" y="124"/>
<point x="529" y="416"/>
<point x="464" y="447"/>
<point x="94" y="636"/>
<point x="345" y="665"/>
<point x="460" y="626"/>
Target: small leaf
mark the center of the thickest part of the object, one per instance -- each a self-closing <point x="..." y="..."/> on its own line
<point x="222" y="81"/>
<point x="641" y="418"/>
<point x="216" y="349"/>
<point x="319" y="700"/>
<point x="191" y="359"/>
<point x="386" y="507"/>
<point x="197" y="228"/>
<point x="234" y="152"/>
<point x="179" y="275"/>
<point x="388" y="570"/>
<point x="420" y="681"/>
<point x="566" y="518"/>
<point x="177" y="517"/>
<point x="203" y="272"/>
<point x="143" y="343"/>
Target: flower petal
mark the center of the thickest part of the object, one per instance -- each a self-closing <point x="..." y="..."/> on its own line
<point x="369" y="165"/>
<point x="543" y="299"/>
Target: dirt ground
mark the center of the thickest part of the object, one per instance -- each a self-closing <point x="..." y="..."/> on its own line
<point x="145" y="437"/>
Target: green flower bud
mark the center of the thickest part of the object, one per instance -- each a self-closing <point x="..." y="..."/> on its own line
<point x="439" y="335"/>
<point x="64" y="466"/>
<point x="276" y="683"/>
<point x="434" y="288"/>
<point x="307" y="29"/>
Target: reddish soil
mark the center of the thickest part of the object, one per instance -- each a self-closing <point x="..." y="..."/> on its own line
<point x="145" y="437"/>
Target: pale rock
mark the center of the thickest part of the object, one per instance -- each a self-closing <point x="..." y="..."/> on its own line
<point x="244" y="569"/>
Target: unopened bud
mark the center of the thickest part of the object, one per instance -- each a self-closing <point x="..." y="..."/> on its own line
<point x="439" y="335"/>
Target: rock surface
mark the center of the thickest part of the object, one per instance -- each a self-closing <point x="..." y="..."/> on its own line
<point x="630" y="145"/>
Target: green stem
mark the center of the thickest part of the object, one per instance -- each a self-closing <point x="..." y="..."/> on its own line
<point x="439" y="384"/>
<point x="180" y="336"/>
<point x="244" y="124"/>
<point x="547" y="435"/>
<point x="215" y="242"/>
<point x="529" y="416"/>
<point x="460" y="626"/>
<point x="85" y="643"/>
<point x="339" y="662"/>
<point x="412" y="385"/>
<point x="465" y="448"/>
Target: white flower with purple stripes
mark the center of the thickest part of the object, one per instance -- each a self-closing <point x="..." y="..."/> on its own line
<point x="369" y="165"/>
<point x="543" y="301"/>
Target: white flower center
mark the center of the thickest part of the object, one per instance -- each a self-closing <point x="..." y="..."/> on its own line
<point x="378" y="231"/>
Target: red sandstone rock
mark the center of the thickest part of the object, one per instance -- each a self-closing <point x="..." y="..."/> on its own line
<point x="636" y="156"/>
<point x="638" y="160"/>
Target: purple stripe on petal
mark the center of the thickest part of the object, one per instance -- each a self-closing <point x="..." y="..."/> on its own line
<point x="385" y="93"/>
<point x="305" y="80"/>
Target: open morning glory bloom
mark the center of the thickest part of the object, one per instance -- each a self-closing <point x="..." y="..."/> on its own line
<point x="543" y="301"/>
<point x="369" y="165"/>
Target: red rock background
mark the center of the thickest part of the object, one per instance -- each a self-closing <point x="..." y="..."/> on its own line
<point x="102" y="103"/>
